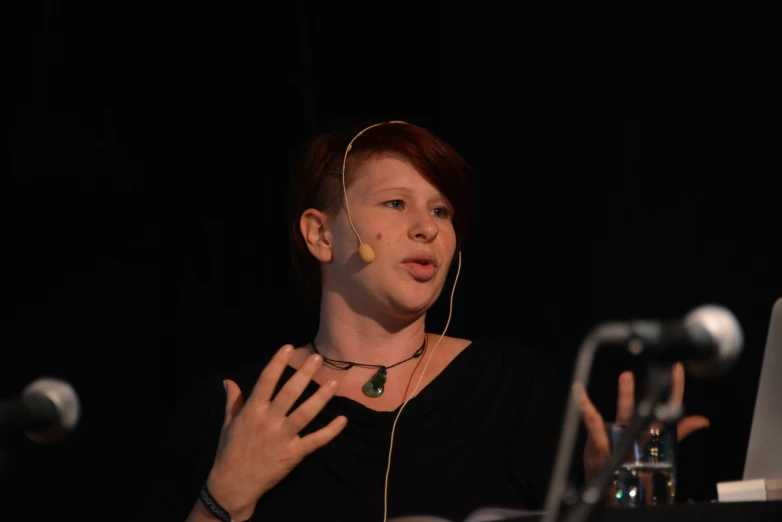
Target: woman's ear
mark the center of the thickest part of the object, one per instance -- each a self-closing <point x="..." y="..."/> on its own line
<point x="314" y="228"/>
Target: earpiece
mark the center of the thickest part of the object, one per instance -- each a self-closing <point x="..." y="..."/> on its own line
<point x="364" y="250"/>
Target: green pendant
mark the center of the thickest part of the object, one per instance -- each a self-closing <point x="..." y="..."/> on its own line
<point x="375" y="386"/>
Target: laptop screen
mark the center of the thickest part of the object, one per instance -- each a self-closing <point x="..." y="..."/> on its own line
<point x="764" y="458"/>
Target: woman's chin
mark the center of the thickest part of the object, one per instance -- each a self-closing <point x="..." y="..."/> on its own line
<point x="410" y="306"/>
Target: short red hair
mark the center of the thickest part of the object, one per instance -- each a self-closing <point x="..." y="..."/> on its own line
<point x="315" y="181"/>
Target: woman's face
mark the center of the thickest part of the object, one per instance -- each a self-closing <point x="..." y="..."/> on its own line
<point x="408" y="224"/>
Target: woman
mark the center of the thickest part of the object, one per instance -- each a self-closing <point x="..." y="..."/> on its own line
<point x="377" y="418"/>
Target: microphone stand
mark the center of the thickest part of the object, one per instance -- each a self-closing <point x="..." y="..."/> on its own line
<point x="559" y="488"/>
<point x="649" y="408"/>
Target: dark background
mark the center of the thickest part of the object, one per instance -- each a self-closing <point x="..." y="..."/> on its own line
<point x="149" y="144"/>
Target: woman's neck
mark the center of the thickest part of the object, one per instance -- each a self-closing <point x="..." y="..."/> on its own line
<point x="345" y="335"/>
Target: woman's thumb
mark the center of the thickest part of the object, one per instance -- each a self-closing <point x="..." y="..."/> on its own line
<point x="233" y="401"/>
<point x="689" y="424"/>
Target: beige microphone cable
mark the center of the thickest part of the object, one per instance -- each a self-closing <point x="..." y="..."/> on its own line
<point x="393" y="428"/>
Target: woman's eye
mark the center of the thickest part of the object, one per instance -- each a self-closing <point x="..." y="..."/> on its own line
<point x="441" y="212"/>
<point x="395" y="203"/>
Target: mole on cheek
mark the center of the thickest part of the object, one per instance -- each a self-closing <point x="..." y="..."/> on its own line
<point x="379" y="236"/>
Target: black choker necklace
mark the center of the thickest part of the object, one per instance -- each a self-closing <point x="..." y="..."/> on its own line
<point x="375" y="386"/>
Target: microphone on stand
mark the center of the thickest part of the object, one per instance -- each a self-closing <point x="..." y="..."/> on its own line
<point x="47" y="411"/>
<point x="707" y="341"/>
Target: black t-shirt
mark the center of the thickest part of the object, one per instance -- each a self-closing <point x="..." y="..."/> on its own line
<point x="483" y="433"/>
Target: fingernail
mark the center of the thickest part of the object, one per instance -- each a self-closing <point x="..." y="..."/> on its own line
<point x="225" y="386"/>
<point x="316" y="358"/>
<point x="332" y="384"/>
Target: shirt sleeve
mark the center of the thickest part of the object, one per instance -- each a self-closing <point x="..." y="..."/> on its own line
<point x="191" y="440"/>
<point x="538" y="430"/>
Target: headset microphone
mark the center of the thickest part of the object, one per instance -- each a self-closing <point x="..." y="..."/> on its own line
<point x="366" y="253"/>
<point x="364" y="250"/>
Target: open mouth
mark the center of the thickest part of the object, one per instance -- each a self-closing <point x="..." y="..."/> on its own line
<point x="422" y="268"/>
<point x="423" y="260"/>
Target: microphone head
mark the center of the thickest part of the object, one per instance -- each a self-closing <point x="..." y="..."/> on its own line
<point x="66" y="402"/>
<point x="726" y="333"/>
<point x="366" y="253"/>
